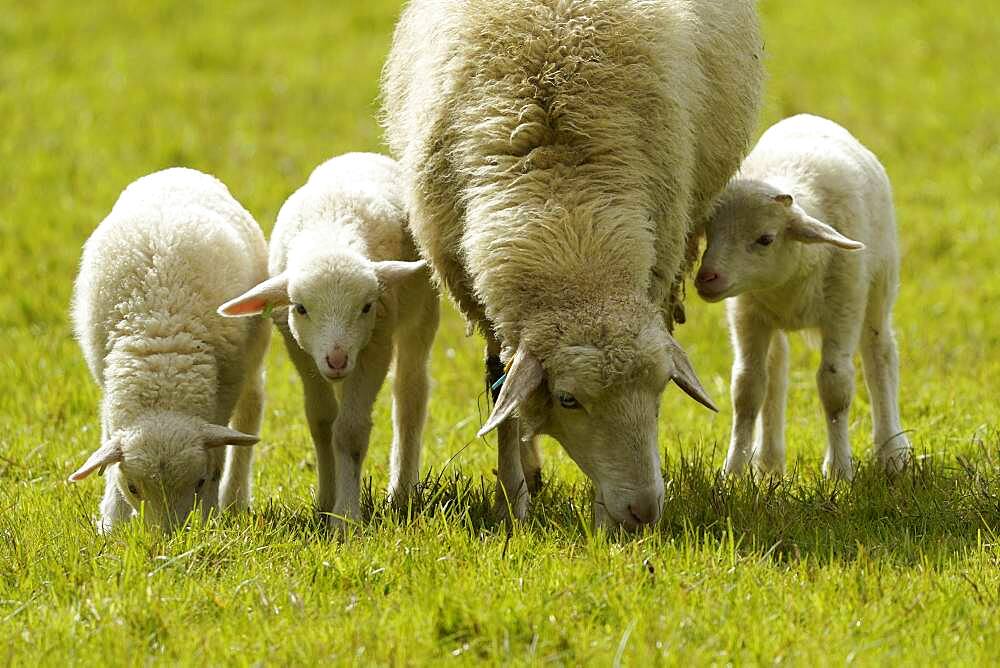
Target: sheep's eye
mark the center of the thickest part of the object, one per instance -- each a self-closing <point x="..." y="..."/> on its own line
<point x="765" y="239"/>
<point x="567" y="400"/>
<point x="300" y="309"/>
<point x="201" y="483"/>
<point x="367" y="308"/>
<point x="133" y="490"/>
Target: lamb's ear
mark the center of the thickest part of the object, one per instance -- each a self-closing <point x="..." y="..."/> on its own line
<point x="523" y="378"/>
<point x="803" y="227"/>
<point x="392" y="272"/>
<point x="685" y="377"/>
<point x="217" y="436"/>
<point x="272" y="293"/>
<point x="106" y="455"/>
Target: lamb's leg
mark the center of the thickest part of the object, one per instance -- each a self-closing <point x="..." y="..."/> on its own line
<point x="770" y="456"/>
<point x="353" y="426"/>
<point x="881" y="366"/>
<point x="835" y="380"/>
<point x="237" y="480"/>
<point x="512" y="496"/>
<point x="750" y="342"/>
<point x="409" y="404"/>
<point x="114" y="508"/>
<point x="235" y="489"/>
<point x="321" y="412"/>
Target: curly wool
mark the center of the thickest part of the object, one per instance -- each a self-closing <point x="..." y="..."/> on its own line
<point x="564" y="153"/>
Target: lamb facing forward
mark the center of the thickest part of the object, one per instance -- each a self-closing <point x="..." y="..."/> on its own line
<point x="173" y="372"/>
<point x="335" y="260"/>
<point x="777" y="246"/>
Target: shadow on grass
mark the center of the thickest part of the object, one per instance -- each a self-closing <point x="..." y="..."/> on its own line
<point x="938" y="507"/>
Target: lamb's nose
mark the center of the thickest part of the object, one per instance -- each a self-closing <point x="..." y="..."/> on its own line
<point x="705" y="276"/>
<point x="337" y="360"/>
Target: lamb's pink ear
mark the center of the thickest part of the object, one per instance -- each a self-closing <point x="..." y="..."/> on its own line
<point x="272" y="293"/>
<point x="523" y="378"/>
<point x="217" y="436"/>
<point x="392" y="272"/>
<point x="803" y="227"/>
<point x="106" y="455"/>
<point x="685" y="377"/>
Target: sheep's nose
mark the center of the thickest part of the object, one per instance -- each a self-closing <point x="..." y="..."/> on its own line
<point x="646" y="510"/>
<point x="705" y="276"/>
<point x="337" y="360"/>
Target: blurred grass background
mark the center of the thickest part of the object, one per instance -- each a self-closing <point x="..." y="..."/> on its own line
<point x="94" y="95"/>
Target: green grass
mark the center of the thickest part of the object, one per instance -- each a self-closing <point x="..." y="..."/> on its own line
<point x="93" y="95"/>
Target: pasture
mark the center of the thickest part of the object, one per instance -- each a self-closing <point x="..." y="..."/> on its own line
<point x="907" y="571"/>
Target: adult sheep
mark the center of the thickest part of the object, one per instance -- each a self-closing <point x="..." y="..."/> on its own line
<point x="561" y="155"/>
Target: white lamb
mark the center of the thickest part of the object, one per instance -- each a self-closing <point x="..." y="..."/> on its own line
<point x="343" y="260"/>
<point x="805" y="237"/>
<point x="173" y="372"/>
<point x="561" y="156"/>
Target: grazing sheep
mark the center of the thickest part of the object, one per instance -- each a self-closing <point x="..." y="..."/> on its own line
<point x="172" y="371"/>
<point x="561" y="155"/>
<point x="777" y="246"/>
<point x="336" y="256"/>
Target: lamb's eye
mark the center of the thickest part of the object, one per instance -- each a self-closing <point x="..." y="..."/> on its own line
<point x="567" y="400"/>
<point x="300" y="309"/>
<point x="765" y="240"/>
<point x="367" y="308"/>
<point x="133" y="490"/>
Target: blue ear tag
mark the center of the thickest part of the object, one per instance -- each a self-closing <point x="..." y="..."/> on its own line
<point x="500" y="380"/>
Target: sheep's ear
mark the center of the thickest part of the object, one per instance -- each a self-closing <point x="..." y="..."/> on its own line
<point x="217" y="436"/>
<point x="106" y="455"/>
<point x="392" y="272"/>
<point x="803" y="227"/>
<point x="685" y="377"/>
<point x="272" y="293"/>
<point x="523" y="378"/>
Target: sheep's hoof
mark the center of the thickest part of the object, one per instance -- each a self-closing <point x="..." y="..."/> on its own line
<point x="338" y="523"/>
<point x="510" y="509"/>
<point x="768" y="467"/>
<point x="838" y="470"/>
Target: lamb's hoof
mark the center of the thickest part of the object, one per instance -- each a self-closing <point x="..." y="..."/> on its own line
<point x="839" y="470"/>
<point x="895" y="456"/>
<point x="104" y="526"/>
<point x="338" y="523"/>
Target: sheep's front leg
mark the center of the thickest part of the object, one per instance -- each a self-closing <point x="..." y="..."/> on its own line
<point x="769" y="459"/>
<point x="321" y="412"/>
<point x="114" y="508"/>
<point x="751" y="339"/>
<point x="511" y="500"/>
<point x="835" y="380"/>
<point x="353" y="427"/>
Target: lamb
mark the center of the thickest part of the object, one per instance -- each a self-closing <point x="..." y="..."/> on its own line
<point x="805" y="237"/>
<point x="561" y="156"/>
<point x="359" y="297"/>
<point x="172" y="372"/>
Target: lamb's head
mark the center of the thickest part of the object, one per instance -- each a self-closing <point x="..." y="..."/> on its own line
<point x="333" y="301"/>
<point x="754" y="240"/>
<point x="165" y="463"/>
<point x="596" y="388"/>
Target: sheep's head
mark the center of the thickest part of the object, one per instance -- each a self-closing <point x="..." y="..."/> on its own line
<point x="596" y="389"/>
<point x="166" y="463"/>
<point x="754" y="240"/>
<point x="333" y="302"/>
